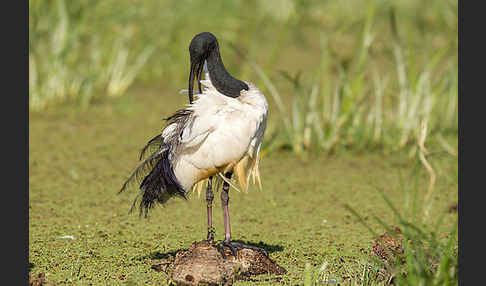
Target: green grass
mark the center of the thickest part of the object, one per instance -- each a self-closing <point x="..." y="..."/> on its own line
<point x="78" y="161"/>
<point x="365" y="103"/>
<point x="428" y="258"/>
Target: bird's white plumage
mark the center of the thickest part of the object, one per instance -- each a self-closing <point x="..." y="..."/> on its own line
<point x="224" y="134"/>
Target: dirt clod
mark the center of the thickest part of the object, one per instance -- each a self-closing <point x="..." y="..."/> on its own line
<point x="452" y="208"/>
<point x="39" y="280"/>
<point x="388" y="248"/>
<point x="202" y="263"/>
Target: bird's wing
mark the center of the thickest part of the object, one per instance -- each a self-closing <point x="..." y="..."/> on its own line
<point x="196" y="134"/>
<point x="207" y="117"/>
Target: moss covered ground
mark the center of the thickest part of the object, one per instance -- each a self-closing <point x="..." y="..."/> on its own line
<point x="80" y="232"/>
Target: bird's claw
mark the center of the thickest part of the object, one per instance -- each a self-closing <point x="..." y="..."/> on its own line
<point x="233" y="246"/>
<point x="221" y="245"/>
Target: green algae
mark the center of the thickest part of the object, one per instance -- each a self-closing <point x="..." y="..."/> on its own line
<point x="79" y="159"/>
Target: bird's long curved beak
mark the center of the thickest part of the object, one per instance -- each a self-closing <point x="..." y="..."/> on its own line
<point x="196" y="70"/>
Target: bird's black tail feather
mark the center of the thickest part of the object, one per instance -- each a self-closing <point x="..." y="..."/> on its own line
<point x="159" y="185"/>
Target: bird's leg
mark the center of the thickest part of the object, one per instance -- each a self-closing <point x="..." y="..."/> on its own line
<point x="232" y="245"/>
<point x="209" y="200"/>
<point x="224" y="205"/>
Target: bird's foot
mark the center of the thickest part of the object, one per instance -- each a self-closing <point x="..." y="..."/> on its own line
<point x="233" y="246"/>
<point x="211" y="233"/>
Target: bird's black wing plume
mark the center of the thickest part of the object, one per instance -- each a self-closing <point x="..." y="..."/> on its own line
<point x="141" y="170"/>
<point x="159" y="181"/>
<point x="180" y="117"/>
<point x="153" y="145"/>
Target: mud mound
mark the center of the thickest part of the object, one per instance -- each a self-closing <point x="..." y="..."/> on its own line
<point x="202" y="263"/>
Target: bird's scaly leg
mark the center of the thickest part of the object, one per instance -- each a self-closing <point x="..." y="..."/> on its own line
<point x="232" y="245"/>
<point x="209" y="200"/>
<point x="224" y="205"/>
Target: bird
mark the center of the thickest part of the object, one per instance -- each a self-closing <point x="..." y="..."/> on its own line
<point x="217" y="135"/>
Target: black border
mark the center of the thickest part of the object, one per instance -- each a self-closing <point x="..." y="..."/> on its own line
<point x="15" y="141"/>
<point x="470" y="273"/>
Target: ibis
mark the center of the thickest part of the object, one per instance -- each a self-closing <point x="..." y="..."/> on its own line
<point x="216" y="136"/>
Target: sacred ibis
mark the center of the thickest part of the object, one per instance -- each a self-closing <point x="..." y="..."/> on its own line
<point x="217" y="135"/>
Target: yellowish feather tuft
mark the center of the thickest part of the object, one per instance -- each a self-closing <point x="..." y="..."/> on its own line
<point x="199" y="186"/>
<point x="245" y="169"/>
<point x="255" y="172"/>
<point x="228" y="181"/>
<point x="240" y="172"/>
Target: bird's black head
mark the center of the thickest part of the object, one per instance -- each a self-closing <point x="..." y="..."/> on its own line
<point x="204" y="47"/>
<point x="199" y="49"/>
<point x="201" y="45"/>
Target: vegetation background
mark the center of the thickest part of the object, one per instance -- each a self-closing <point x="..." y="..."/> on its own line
<point x="363" y="97"/>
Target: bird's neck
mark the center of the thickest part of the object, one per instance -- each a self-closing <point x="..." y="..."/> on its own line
<point x="221" y="79"/>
